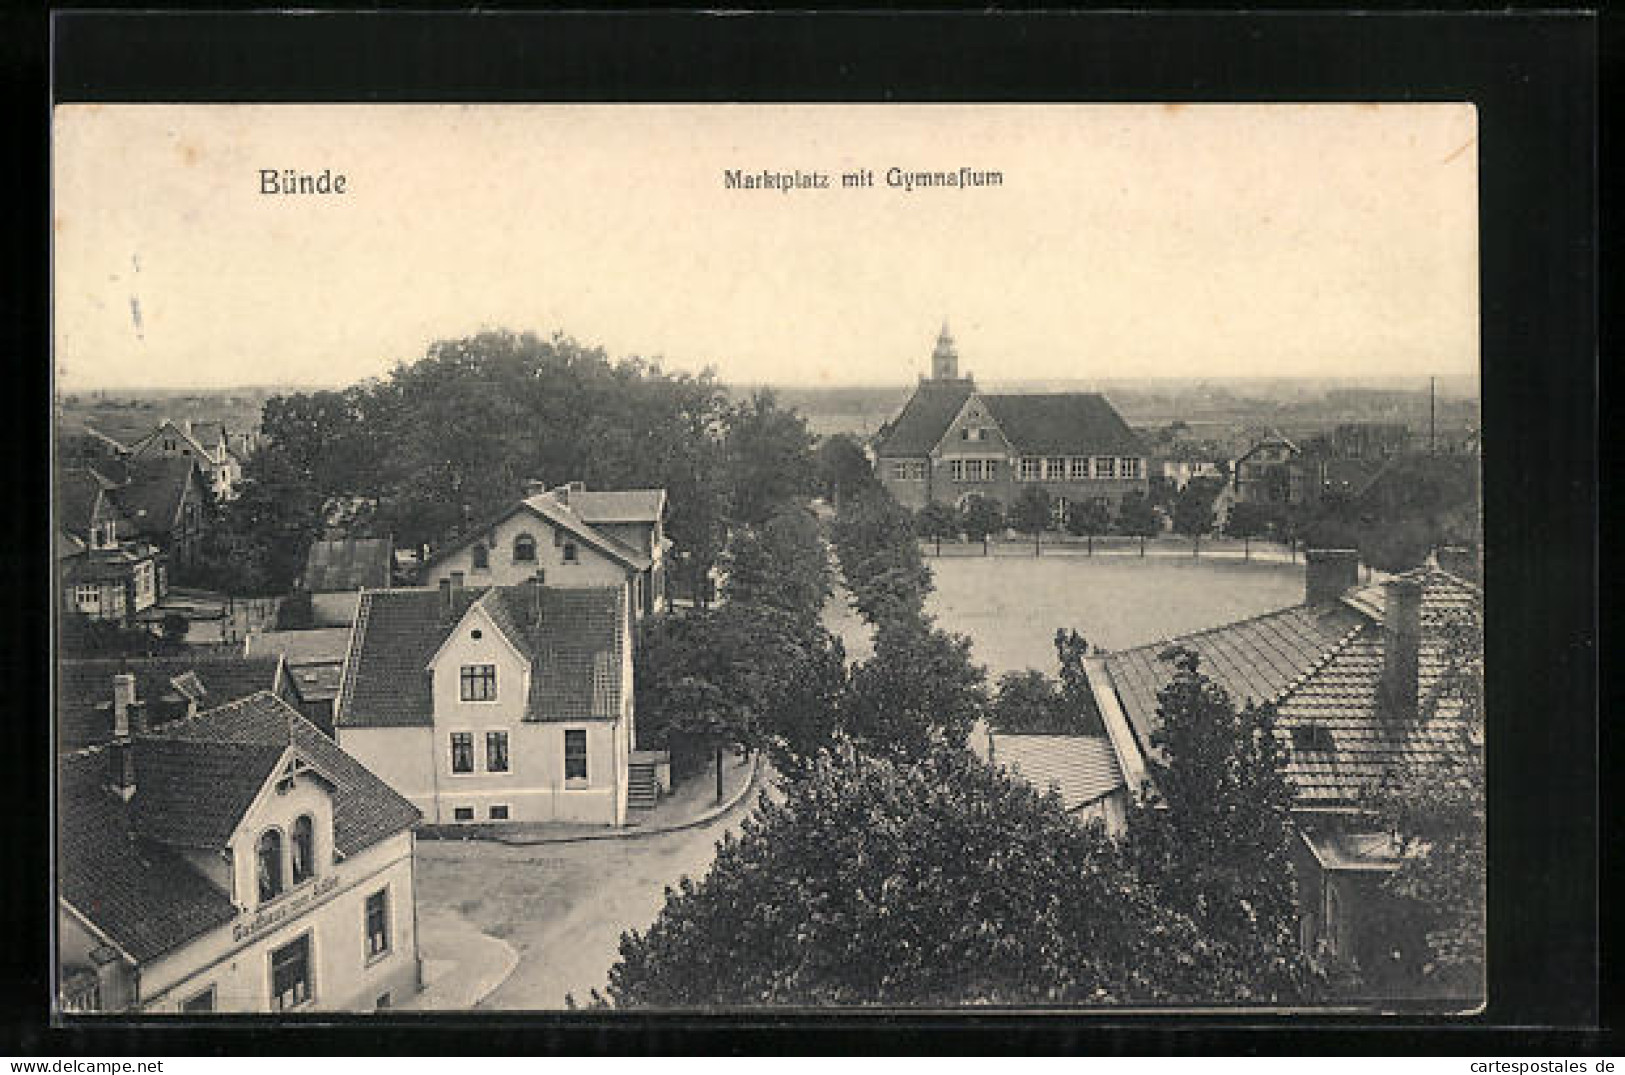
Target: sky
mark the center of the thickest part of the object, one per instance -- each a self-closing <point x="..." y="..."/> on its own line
<point x="1184" y="241"/>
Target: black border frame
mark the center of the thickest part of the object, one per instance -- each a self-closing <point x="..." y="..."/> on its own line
<point x="1533" y="76"/>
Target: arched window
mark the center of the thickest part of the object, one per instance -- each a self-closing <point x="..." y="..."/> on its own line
<point x="304" y="849"/>
<point x="269" y="855"/>
<point x="524" y="549"/>
<point x="482" y="558"/>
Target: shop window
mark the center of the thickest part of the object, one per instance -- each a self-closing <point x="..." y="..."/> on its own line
<point x="290" y="974"/>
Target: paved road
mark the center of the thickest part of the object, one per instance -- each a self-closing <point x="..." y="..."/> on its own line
<point x="562" y="907"/>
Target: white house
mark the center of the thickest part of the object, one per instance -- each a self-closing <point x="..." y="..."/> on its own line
<point x="207" y="442"/>
<point x="236" y="861"/>
<point x="569" y="537"/>
<point x="497" y="704"/>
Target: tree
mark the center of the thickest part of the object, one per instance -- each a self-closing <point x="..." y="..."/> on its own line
<point x="1088" y="518"/>
<point x="843" y="468"/>
<point x="1213" y="835"/>
<point x="935" y="880"/>
<point x="937" y="521"/>
<point x="880" y="558"/>
<point x="1137" y="518"/>
<point x="1193" y="511"/>
<point x="1025" y="701"/>
<point x="981" y="518"/>
<point x="1076" y="697"/>
<point x="1247" y="521"/>
<point x="1031" y="513"/>
<point x="1438" y="812"/>
<point x="769" y="458"/>
<point x="782" y="564"/>
<point x="1032" y="702"/>
<point x="918" y="689"/>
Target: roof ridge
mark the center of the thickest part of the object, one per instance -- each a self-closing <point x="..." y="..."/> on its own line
<point x="1215" y="629"/>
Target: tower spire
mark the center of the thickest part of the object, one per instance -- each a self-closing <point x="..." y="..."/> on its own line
<point x="945" y="357"/>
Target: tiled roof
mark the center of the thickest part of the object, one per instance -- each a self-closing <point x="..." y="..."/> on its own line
<point x="348" y="564"/>
<point x="1254" y="660"/>
<point x="84" y="689"/>
<point x="75" y="494"/>
<point x="1081" y="768"/>
<point x="365" y="809"/>
<point x="572" y="645"/>
<point x="618" y="505"/>
<point x="152" y="497"/>
<point x="923" y="419"/>
<point x="1322" y="668"/>
<point x="1072" y="423"/>
<point x="549" y="507"/>
<point x="115" y="860"/>
<point x="67" y="545"/>
<point x="146" y="898"/>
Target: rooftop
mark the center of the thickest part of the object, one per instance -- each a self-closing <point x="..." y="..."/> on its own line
<point x="1082" y="769"/>
<point x="341" y="564"/>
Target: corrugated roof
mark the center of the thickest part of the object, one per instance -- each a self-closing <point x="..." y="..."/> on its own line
<point x="343" y="564"/>
<point x="1322" y="667"/>
<point x="567" y="634"/>
<point x="1080" y="768"/>
<point x="1064" y="423"/>
<point x="923" y="420"/>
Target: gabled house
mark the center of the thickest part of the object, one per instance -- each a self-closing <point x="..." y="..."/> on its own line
<point x="952" y="441"/>
<point x="236" y="861"/>
<point x="216" y="451"/>
<point x="314" y="662"/>
<point x="164" y="498"/>
<point x="338" y="569"/>
<point x="496" y="704"/>
<point x="1356" y="676"/>
<point x="104" y="570"/>
<point x="567" y="537"/>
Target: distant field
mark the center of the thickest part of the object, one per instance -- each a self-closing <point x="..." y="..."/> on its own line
<point x="1012" y="607"/>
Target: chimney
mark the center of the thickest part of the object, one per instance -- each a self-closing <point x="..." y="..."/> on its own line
<point x="1328" y="574"/>
<point x="446" y="601"/>
<point x="534" y="487"/>
<point x="1401" y="646"/>
<point x="121" y="768"/>
<point x="533" y="589"/>
<point x="123" y="700"/>
<point x="1459" y="561"/>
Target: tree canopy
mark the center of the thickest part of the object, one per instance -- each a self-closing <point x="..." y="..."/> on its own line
<point x="981" y="518"/>
<point x="1031" y="512"/>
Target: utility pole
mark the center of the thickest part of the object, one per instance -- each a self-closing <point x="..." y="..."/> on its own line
<point x="1433" y="444"/>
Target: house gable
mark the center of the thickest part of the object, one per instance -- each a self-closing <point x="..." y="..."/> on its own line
<point x="973" y="417"/>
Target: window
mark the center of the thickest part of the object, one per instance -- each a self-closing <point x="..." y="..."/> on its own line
<point x="268" y="855"/>
<point x="1029" y="469"/>
<point x="912" y="470"/>
<point x="498" y="813"/>
<point x="1057" y="511"/>
<point x="462" y="813"/>
<point x="1055" y="469"/>
<point x="496" y="752"/>
<point x="1105" y="467"/>
<point x="990" y="469"/>
<point x="378" y="923"/>
<point x="382" y="1002"/>
<point x="202" y="1002"/>
<point x="570" y="552"/>
<point x="87" y="595"/>
<point x="304" y="849"/>
<point x="956" y="470"/>
<point x="462" y="752"/>
<point x="482" y="558"/>
<point x="290" y="974"/>
<point x="973" y="470"/>
<point x="575" y="754"/>
<point x="1079" y="468"/>
<point x="1128" y="467"/>
<point x="524" y="549"/>
<point x="457" y="580"/>
<point x="479" y="682"/>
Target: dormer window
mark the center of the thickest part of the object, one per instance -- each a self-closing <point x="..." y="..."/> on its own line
<point x="524" y="549"/>
<point x="482" y="558"/>
<point x="304" y="849"/>
<point x="268" y="858"/>
<point x="571" y="554"/>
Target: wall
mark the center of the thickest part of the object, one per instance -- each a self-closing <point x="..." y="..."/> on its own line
<point x="403" y="758"/>
<point x="236" y="959"/>
<point x="592" y="569"/>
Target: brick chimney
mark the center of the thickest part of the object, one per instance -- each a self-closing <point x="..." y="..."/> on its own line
<point x="447" y="599"/>
<point x="533" y="594"/>
<point x="1328" y="574"/>
<point x="123" y="700"/>
<point x="1401" y="646"/>
<point x="534" y="487"/>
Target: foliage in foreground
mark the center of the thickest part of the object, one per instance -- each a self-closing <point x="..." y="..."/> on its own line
<point x="940" y="881"/>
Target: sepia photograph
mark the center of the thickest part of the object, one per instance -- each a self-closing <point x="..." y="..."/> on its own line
<point x="767" y="557"/>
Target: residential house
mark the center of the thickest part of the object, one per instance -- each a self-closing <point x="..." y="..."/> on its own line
<point x="338" y="569"/>
<point x="315" y="667"/>
<point x="1082" y="769"/>
<point x="90" y="692"/>
<point x="1356" y="676"/>
<point x="104" y="570"/>
<point x="567" y="537"/>
<point x="164" y="499"/>
<point x="1275" y="470"/>
<point x="952" y="441"/>
<point x="494" y="704"/>
<point x="235" y="861"/>
<point x="1264" y="474"/>
<point x="216" y="451"/>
